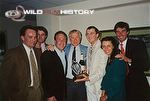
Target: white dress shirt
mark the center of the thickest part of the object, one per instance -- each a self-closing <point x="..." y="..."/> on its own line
<point x="124" y="44"/>
<point x="43" y="47"/>
<point x="27" y="49"/>
<point x="61" y="55"/>
<point x="78" y="57"/>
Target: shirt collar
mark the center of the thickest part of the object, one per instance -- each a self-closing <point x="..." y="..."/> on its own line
<point x="27" y="48"/>
<point x="124" y="42"/>
<point x="73" y="46"/>
<point x="58" y="51"/>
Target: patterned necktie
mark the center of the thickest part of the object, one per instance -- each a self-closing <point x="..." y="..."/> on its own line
<point x="123" y="52"/>
<point x="36" y="82"/>
<point x="74" y="59"/>
<point x="122" y="49"/>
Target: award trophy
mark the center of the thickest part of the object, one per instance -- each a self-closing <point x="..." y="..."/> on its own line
<point x="79" y="69"/>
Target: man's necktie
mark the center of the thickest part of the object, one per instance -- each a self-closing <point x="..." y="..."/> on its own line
<point x="123" y="52"/>
<point x="122" y="49"/>
<point x="90" y="55"/>
<point x="73" y="59"/>
<point x="74" y="55"/>
<point x="34" y="70"/>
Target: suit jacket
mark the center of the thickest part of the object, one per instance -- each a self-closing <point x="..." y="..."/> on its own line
<point x="83" y="50"/>
<point x="136" y="84"/>
<point x="114" y="80"/>
<point x="96" y="68"/>
<point x="53" y="76"/>
<point x="15" y="74"/>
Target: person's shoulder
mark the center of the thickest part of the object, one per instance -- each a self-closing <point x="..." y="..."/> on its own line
<point x="67" y="46"/>
<point x="101" y="53"/>
<point x="83" y="46"/>
<point x="14" y="50"/>
<point x="117" y="60"/>
<point x="48" y="52"/>
<point x="136" y="41"/>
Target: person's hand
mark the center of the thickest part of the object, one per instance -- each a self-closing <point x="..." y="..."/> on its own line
<point x="123" y="57"/>
<point x="52" y="98"/>
<point x="85" y="78"/>
<point x="50" y="47"/>
<point x="119" y="56"/>
<point x="103" y="96"/>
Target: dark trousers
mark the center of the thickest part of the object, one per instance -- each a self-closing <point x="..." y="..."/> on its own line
<point x="76" y="91"/>
<point x="137" y="88"/>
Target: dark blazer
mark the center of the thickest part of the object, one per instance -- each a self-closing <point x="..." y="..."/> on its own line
<point x="15" y="74"/>
<point x="53" y="76"/>
<point x="137" y="87"/>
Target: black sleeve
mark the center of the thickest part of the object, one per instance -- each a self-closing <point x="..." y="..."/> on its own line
<point x="47" y="73"/>
<point x="141" y="56"/>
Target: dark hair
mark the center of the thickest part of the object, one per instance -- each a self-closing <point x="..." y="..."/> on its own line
<point x="61" y="32"/>
<point x="96" y="30"/>
<point x="41" y="28"/>
<point x="122" y="25"/>
<point x="24" y="28"/>
<point x="115" y="45"/>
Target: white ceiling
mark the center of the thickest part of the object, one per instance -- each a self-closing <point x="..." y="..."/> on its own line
<point x="6" y="5"/>
<point x="35" y="3"/>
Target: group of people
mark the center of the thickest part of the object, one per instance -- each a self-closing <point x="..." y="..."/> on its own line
<point x="113" y="69"/>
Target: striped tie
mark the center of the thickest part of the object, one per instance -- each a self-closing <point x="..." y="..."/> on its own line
<point x="122" y="49"/>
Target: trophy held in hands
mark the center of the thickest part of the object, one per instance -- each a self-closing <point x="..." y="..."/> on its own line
<point x="79" y="69"/>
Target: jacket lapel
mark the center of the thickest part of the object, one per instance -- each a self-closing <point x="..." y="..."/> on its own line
<point x="26" y="60"/>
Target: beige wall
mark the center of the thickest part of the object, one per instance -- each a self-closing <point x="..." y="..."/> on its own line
<point x="107" y="13"/>
<point x="51" y="22"/>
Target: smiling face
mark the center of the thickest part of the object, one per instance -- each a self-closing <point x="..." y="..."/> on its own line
<point x="60" y="41"/>
<point x="107" y="47"/>
<point x="41" y="36"/>
<point x="91" y="36"/>
<point x="121" y="34"/>
<point x="75" y="38"/>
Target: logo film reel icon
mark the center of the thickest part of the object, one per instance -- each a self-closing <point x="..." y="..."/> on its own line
<point x="16" y="15"/>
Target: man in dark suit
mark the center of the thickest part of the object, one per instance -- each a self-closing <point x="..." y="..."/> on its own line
<point x="17" y="79"/>
<point x="53" y="66"/>
<point x="135" y="54"/>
